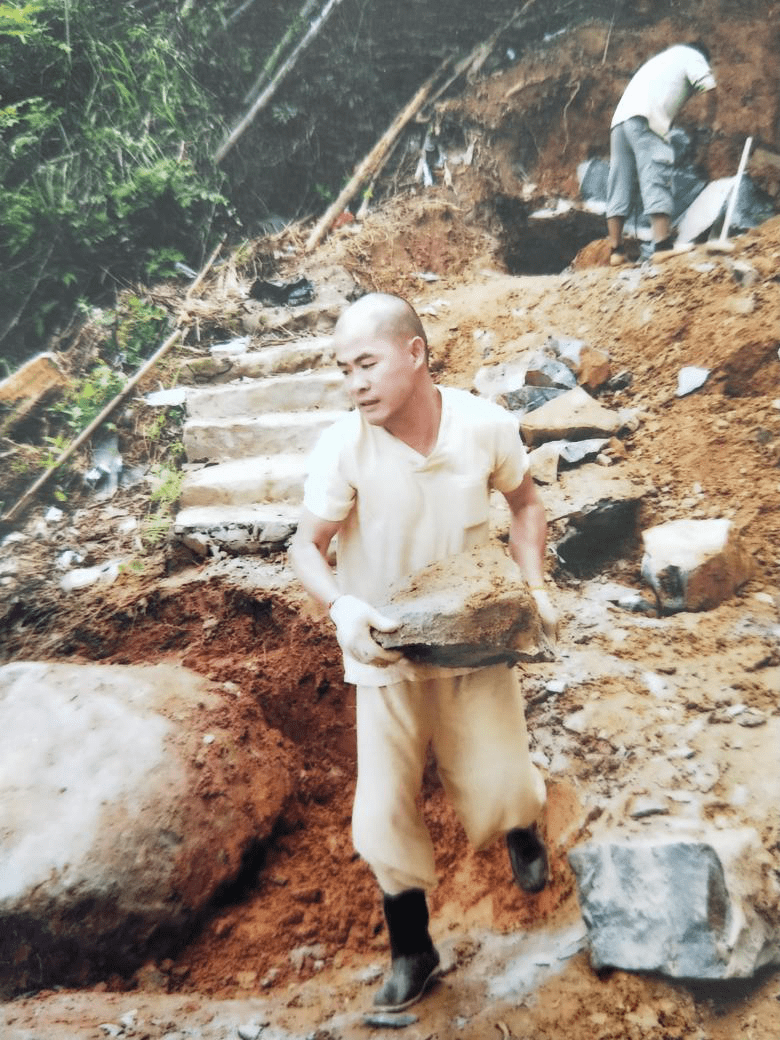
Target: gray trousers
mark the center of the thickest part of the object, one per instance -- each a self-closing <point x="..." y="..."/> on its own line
<point x="640" y="165"/>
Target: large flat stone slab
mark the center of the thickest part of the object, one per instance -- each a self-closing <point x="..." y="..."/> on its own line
<point x="220" y="440"/>
<point x="575" y="415"/>
<point x="127" y="797"/>
<point x="694" y="907"/>
<point x="264" y="528"/>
<point x="468" y="610"/>
<point x="268" y="478"/>
<point x="298" y="356"/>
<point x="296" y="392"/>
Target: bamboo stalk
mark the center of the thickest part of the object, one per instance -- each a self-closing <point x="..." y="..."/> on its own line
<point x="272" y="87"/>
<point x="134" y="380"/>
<point x="375" y="158"/>
<point x="268" y="67"/>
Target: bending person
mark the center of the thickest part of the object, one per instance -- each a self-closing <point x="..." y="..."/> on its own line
<point x="640" y="152"/>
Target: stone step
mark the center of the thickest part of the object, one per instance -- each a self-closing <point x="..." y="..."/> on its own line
<point x="220" y="440"/>
<point x="298" y="392"/>
<point x="297" y="356"/>
<point x="274" y="478"/>
<point x="236" y="529"/>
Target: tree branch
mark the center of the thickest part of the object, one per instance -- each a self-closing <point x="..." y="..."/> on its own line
<point x="375" y="157"/>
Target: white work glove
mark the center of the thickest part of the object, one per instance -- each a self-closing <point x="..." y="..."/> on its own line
<point x="547" y="613"/>
<point x="354" y="620"/>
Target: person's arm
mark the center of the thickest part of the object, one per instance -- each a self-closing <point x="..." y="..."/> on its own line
<point x="352" y="617"/>
<point x="527" y="540"/>
<point x="710" y="105"/>
<point x="527" y="531"/>
<point x="308" y="557"/>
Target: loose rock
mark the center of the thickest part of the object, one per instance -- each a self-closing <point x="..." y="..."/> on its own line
<point x="694" y="564"/>
<point x="682" y="907"/>
<point x="468" y="610"/>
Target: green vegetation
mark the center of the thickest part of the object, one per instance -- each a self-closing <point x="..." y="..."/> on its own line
<point x="166" y="490"/>
<point x="87" y="399"/>
<point x="106" y="133"/>
<point x="111" y="115"/>
<point x="140" y="328"/>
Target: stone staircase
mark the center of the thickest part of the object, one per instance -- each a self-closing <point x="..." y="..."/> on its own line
<point x="247" y="436"/>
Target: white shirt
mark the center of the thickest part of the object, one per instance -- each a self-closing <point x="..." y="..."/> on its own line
<point x="662" y="85"/>
<point x="402" y="511"/>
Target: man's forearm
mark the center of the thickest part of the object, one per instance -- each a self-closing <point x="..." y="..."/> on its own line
<point x="314" y="572"/>
<point x="527" y="540"/>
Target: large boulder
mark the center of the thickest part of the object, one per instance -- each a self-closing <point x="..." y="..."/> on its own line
<point x="128" y="796"/>
<point x="468" y="610"/>
<point x="696" y="907"/>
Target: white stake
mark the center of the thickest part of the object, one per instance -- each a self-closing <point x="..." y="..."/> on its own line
<point x="721" y="244"/>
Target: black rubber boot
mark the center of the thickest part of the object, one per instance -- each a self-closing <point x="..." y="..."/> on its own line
<point x="414" y="958"/>
<point x="528" y="858"/>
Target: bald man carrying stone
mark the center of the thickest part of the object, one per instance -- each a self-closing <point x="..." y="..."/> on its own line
<point x="404" y="481"/>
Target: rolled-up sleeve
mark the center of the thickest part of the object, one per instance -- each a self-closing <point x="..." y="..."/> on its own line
<point x="511" y="457"/>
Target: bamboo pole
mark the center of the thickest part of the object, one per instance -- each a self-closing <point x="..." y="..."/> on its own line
<point x="267" y="69"/>
<point x="98" y="421"/>
<point x="271" y="89"/>
<point x="375" y="158"/>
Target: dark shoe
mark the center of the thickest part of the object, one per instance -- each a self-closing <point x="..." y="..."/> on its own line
<point x="617" y="257"/>
<point x="409" y="978"/>
<point x="528" y="858"/>
<point x="668" y="248"/>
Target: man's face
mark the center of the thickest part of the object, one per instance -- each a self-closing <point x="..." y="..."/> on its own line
<point x="380" y="374"/>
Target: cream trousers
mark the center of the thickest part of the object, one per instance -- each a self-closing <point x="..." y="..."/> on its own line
<point x="476" y="724"/>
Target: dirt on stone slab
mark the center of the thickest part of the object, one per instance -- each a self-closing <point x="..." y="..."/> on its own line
<point x="680" y="710"/>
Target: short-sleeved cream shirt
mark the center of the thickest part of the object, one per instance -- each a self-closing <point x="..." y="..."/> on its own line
<point x="400" y="510"/>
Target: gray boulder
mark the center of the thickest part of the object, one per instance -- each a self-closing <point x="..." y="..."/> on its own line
<point x="127" y="797"/>
<point x="544" y="371"/>
<point x="691" y="908"/>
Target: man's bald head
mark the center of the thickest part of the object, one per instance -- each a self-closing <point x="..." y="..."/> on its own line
<point x="380" y="315"/>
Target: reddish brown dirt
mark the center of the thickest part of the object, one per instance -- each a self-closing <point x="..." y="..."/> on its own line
<point x="713" y="453"/>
